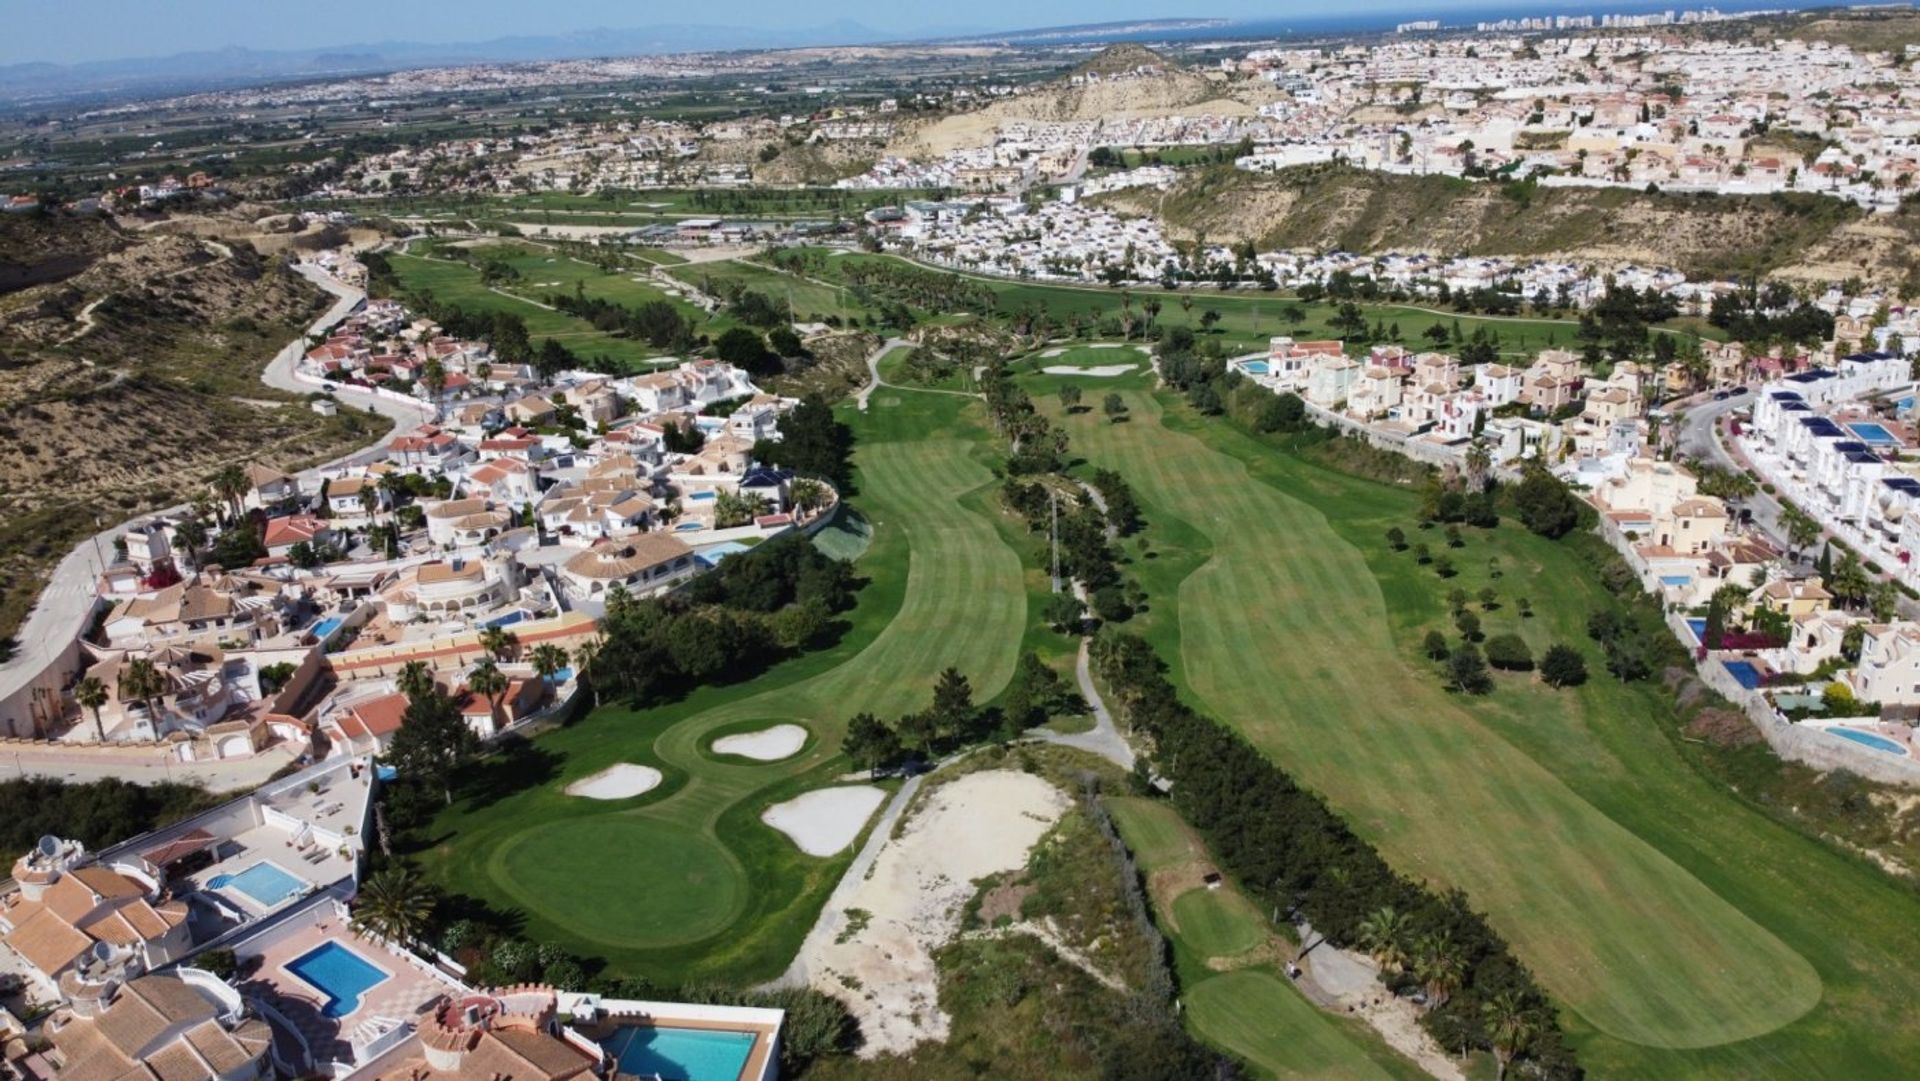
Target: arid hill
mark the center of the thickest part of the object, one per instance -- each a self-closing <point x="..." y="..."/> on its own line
<point x="1325" y="207"/>
<point x="126" y="384"/>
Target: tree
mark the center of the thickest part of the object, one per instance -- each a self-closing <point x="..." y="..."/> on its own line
<point x="1885" y="601"/>
<point x="746" y="350"/>
<point x="918" y="730"/>
<point x="1439" y="968"/>
<point x="1546" y="506"/>
<point x="547" y="660"/>
<point x="1436" y="646"/>
<point x="870" y="743"/>
<point x="1801" y="529"/>
<point x="230" y="484"/>
<point x="1114" y="406"/>
<point x="585" y="656"/>
<point x="489" y="682"/>
<point x="1489" y="600"/>
<point x="394" y="903"/>
<point x="1469" y="625"/>
<point x="953" y="711"/>
<point x="142" y="681"/>
<point x="1383" y="935"/>
<point x="1509" y="653"/>
<point x="807" y="495"/>
<point x="415" y="679"/>
<point x="91" y="694"/>
<point x="433" y="742"/>
<point x="812" y="443"/>
<point x="1467" y="670"/>
<point x="786" y="342"/>
<point x="1397" y="539"/>
<point x="1510" y="1029"/>
<point x="498" y="642"/>
<point x="1064" y="613"/>
<point x="1563" y="666"/>
<point x="1444" y="567"/>
<point x="1453" y="537"/>
<point x="1070" y="398"/>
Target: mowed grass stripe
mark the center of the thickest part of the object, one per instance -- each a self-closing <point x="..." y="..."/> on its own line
<point x="1284" y="633"/>
<point x="1255" y="1015"/>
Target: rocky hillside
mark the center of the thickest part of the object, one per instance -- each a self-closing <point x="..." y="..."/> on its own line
<point x="1803" y="237"/>
<point x="1127" y="81"/>
<point x="128" y="383"/>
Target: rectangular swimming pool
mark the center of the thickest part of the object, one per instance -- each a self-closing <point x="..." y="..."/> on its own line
<point x="1869" y="739"/>
<point x="338" y="973"/>
<point x="1873" y="433"/>
<point x="680" y="1054"/>
<point x="1744" y="672"/>
<point x="266" y="882"/>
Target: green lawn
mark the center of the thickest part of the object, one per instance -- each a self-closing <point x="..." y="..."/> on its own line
<point x="1252" y="1012"/>
<point x="1687" y="933"/>
<point x="544" y="272"/>
<point x="811" y="300"/>
<point x="687" y="883"/>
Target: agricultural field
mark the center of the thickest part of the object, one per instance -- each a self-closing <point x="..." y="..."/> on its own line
<point x="1684" y="931"/>
<point x="1235" y="996"/>
<point x="686" y="882"/>
<point x="543" y="272"/>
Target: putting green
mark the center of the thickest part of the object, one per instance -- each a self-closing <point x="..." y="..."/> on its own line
<point x="1284" y="633"/>
<point x="1217" y="923"/>
<point x="668" y="883"/>
<point x="1254" y="1014"/>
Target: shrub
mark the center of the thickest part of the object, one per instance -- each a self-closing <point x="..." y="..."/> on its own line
<point x="1469" y="625"/>
<point x="1436" y="646"/>
<point x="1467" y="671"/>
<point x="1563" y="666"/>
<point x="1444" y="567"/>
<point x="1509" y="653"/>
<point x="1396" y="539"/>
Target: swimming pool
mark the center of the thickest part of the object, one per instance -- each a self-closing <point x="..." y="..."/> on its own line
<point x="265" y="882"/>
<point x="1675" y="579"/>
<point x="680" y="1054"/>
<point x="338" y="973"/>
<point x="1868" y="739"/>
<point x="326" y="627"/>
<point x="1873" y="433"/>
<point x="1256" y="367"/>
<point x="701" y="497"/>
<point x="1744" y="672"/>
<point x="1699" y="629"/>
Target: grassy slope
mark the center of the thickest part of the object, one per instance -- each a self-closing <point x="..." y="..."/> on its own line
<point x="1549" y="785"/>
<point x="1250" y="1011"/>
<point x="733" y="897"/>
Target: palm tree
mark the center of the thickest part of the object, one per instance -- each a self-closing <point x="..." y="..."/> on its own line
<point x="1509" y="1028"/>
<point x="394" y="904"/>
<point x="92" y="694"/>
<point x="807" y="495"/>
<point x="1438" y="967"/>
<point x="489" y="682"/>
<point x="1801" y="529"/>
<point x="230" y="483"/>
<point x="415" y="679"/>
<point x="142" y="681"/>
<point x="497" y="641"/>
<point x="547" y="660"/>
<point x="1479" y="465"/>
<point x="584" y="656"/>
<point x="1384" y="936"/>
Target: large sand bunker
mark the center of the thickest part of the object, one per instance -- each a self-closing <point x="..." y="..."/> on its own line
<point x="826" y="820"/>
<point x="622" y="780"/>
<point x="766" y="745"/>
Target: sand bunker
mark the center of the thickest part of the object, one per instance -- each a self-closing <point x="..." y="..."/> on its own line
<point x="826" y="820"/>
<point x="1055" y="352"/>
<point x="623" y="780"/>
<point x="965" y="830"/>
<point x="1103" y="371"/>
<point x="766" y="745"/>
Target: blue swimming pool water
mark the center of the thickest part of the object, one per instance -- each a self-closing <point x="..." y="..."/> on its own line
<point x="1256" y="367"/>
<point x="264" y="882"/>
<point x="338" y="973"/>
<point x="688" y="527"/>
<point x="326" y="627"/>
<point x="1676" y="579"/>
<point x="701" y="497"/>
<point x="680" y="1054"/>
<point x="1878" y="743"/>
<point x="1872" y="433"/>
<point x="1699" y="629"/>
<point x="1746" y="673"/>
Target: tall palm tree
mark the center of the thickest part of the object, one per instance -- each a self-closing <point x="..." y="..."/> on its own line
<point x="1439" y="968"/>
<point x="230" y="483"/>
<point x="415" y="679"/>
<point x="1509" y="1028"/>
<point x="585" y="655"/>
<point x="142" y="681"/>
<point x="498" y="642"/>
<point x="394" y="904"/>
<point x="1384" y="935"/>
<point x="92" y="694"/>
<point x="807" y="494"/>
<point x="547" y="660"/>
<point x="488" y="681"/>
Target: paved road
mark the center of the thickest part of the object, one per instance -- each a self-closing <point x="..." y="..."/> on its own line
<point x="874" y="382"/>
<point x="1700" y="438"/>
<point x="66" y="604"/>
<point x="1105" y="739"/>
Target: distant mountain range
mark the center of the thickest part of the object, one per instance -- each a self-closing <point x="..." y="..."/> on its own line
<point x="39" y="83"/>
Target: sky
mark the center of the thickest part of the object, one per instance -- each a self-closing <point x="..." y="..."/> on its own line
<point x="112" y="29"/>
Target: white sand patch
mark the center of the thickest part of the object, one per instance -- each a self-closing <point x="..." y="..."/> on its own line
<point x="622" y="780"/>
<point x="1060" y="351"/>
<point x="766" y="745"/>
<point x="1102" y="371"/>
<point x="981" y="824"/>
<point x="826" y="820"/>
<point x="1105" y="345"/>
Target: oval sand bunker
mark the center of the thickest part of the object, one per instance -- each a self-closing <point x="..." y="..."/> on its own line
<point x="622" y="780"/>
<point x="825" y="820"/>
<point x="766" y="745"/>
